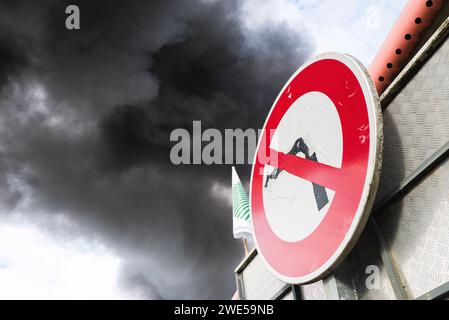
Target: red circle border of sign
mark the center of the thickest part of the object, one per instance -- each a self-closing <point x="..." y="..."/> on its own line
<point x="339" y="77"/>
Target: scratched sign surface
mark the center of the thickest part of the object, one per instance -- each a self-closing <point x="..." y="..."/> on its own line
<point x="316" y="170"/>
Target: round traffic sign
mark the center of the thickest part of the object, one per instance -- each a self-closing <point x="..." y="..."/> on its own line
<point x="316" y="168"/>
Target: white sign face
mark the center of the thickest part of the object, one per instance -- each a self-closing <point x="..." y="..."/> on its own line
<point x="313" y="188"/>
<point x="314" y="118"/>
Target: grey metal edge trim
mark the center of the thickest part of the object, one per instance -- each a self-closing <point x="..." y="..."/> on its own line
<point x="440" y="292"/>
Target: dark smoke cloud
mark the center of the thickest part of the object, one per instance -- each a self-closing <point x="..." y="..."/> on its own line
<point x="85" y="119"/>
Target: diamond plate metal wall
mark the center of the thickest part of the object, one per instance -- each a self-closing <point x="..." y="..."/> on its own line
<point x="259" y="283"/>
<point x="416" y="121"/>
<point x="417" y="231"/>
<point x="313" y="291"/>
<point x="416" y="125"/>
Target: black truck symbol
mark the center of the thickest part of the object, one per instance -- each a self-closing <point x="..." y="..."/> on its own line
<point x="319" y="191"/>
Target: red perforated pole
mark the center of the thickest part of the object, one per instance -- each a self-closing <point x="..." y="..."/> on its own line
<point x="401" y="42"/>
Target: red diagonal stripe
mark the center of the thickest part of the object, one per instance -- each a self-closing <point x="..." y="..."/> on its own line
<point x="319" y="173"/>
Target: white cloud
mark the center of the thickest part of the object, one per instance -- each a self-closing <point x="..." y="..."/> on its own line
<point x="35" y="266"/>
<point x="222" y="193"/>
<point x="351" y="26"/>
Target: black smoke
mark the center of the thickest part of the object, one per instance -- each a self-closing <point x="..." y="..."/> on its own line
<point x="85" y="120"/>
